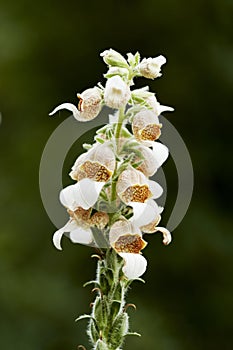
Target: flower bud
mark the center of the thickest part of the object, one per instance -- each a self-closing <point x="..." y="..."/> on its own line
<point x="146" y="127"/>
<point x="114" y="58"/>
<point x="122" y="72"/>
<point x="150" y="67"/>
<point x="117" y="92"/>
<point x="119" y="330"/>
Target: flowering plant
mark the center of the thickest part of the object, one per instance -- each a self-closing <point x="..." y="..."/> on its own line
<point x="112" y="203"/>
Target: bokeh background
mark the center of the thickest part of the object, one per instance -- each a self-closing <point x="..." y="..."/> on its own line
<point x="49" y="52"/>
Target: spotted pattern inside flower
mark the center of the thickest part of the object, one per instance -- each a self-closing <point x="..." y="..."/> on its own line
<point x="86" y="104"/>
<point x="129" y="243"/>
<point x="136" y="193"/>
<point x="81" y="216"/>
<point x="151" y="132"/>
<point x="95" y="171"/>
<point x="99" y="219"/>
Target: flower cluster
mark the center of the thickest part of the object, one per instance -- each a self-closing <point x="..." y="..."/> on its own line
<point x="112" y="203"/>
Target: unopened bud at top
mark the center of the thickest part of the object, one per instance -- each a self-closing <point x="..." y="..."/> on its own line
<point x="150" y="67"/>
<point x="117" y="92"/>
<point x="114" y="58"/>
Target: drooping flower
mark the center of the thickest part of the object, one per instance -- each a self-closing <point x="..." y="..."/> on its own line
<point x="114" y="58"/>
<point x="133" y="186"/>
<point x="127" y="241"/>
<point x="117" y="92"/>
<point x="146" y="127"/>
<point x="78" y="204"/>
<point x="152" y="158"/>
<point x="89" y="106"/>
<point x="150" y="67"/>
<point x="97" y="164"/>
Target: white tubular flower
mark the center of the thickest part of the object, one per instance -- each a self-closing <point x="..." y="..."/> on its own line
<point x="152" y="158"/>
<point x="78" y="228"/>
<point x="145" y="213"/>
<point x="133" y="186"/>
<point x="89" y="106"/>
<point x="127" y="241"/>
<point x="150" y="67"/>
<point x="77" y="233"/>
<point x="114" y="58"/>
<point x="146" y="127"/>
<point x="97" y="164"/>
<point x="157" y="108"/>
<point x="83" y="194"/>
<point x="117" y="92"/>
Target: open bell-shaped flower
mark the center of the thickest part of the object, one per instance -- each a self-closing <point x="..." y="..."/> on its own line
<point x="152" y="158"/>
<point x="116" y="93"/>
<point x="89" y="106"/>
<point x="150" y="67"/>
<point x="127" y="241"/>
<point x="97" y="164"/>
<point x="146" y="127"/>
<point x="77" y="228"/>
<point x="133" y="186"/>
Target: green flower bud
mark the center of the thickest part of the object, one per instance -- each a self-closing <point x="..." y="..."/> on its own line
<point x="100" y="345"/>
<point x="122" y="72"/>
<point x="114" y="58"/>
<point x="119" y="330"/>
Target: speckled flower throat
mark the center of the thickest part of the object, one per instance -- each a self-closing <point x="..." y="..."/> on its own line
<point x="112" y="202"/>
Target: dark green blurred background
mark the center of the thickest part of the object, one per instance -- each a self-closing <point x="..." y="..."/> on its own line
<point x="49" y="51"/>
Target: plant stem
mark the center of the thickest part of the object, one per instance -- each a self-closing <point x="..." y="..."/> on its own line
<point x="108" y="325"/>
<point x="117" y="137"/>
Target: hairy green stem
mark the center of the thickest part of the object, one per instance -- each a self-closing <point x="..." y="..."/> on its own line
<point x="109" y="323"/>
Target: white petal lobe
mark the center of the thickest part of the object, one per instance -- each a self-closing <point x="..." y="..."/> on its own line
<point x="70" y="107"/>
<point x="70" y="225"/>
<point x="135" y="265"/>
<point x="160" y="152"/>
<point x="79" y="235"/>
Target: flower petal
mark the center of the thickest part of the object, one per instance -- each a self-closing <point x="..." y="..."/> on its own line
<point x="160" y="152"/>
<point x="155" y="188"/>
<point x="162" y="108"/>
<point x="83" y="194"/>
<point x="70" y="107"/>
<point x="144" y="213"/>
<point x="167" y="238"/>
<point x="70" y="225"/>
<point x="135" y="265"/>
<point x="80" y="235"/>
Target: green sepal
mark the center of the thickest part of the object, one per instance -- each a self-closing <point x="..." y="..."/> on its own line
<point x="87" y="146"/>
<point x="99" y="139"/>
<point x="91" y="282"/>
<point x="134" y="334"/>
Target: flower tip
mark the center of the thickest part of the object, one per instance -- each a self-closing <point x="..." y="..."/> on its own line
<point x="57" y="240"/>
